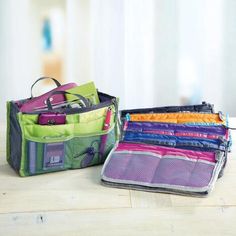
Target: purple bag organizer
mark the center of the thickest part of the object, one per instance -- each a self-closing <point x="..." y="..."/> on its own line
<point x="162" y="169"/>
<point x="184" y="159"/>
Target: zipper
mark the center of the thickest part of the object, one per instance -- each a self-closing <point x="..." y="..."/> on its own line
<point x="201" y="108"/>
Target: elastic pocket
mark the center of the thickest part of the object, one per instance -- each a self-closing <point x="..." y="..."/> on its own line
<point x="148" y="169"/>
<point x="49" y="155"/>
<point x="163" y="168"/>
<point x="45" y="157"/>
<point x="93" y="150"/>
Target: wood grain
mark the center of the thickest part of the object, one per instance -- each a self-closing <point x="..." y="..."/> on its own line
<point x="157" y="221"/>
<point x="74" y="202"/>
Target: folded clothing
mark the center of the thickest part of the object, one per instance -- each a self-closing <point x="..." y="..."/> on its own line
<point x="162" y="169"/>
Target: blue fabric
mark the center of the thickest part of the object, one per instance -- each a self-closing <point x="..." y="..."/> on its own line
<point x="180" y="142"/>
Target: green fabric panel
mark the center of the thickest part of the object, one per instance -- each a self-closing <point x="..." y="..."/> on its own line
<point x="40" y="159"/>
<point x="75" y="151"/>
<point x="87" y="126"/>
<point x="23" y="166"/>
<point x="71" y="119"/>
<point x="8" y="131"/>
<point x="80" y="145"/>
<point x="22" y="171"/>
<point x="49" y="134"/>
<point x="30" y="119"/>
<point x="87" y="90"/>
<point x="77" y="135"/>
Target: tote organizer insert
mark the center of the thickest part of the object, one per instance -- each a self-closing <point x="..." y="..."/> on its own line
<point x="81" y="141"/>
<point x="174" y="152"/>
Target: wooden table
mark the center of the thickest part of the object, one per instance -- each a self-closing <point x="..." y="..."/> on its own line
<point x="73" y="202"/>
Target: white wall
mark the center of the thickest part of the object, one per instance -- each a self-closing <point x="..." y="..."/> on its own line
<point x="139" y="54"/>
<point x="229" y="57"/>
<point x="19" y="48"/>
<point x="147" y="52"/>
<point x="134" y="51"/>
<point x="166" y="53"/>
<point x="200" y="50"/>
<point x="107" y="45"/>
<point x="78" y="47"/>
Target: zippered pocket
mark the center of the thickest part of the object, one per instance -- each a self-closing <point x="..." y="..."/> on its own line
<point x="180" y="118"/>
<point x="176" y="141"/>
<point x="204" y="107"/>
<point x="201" y="131"/>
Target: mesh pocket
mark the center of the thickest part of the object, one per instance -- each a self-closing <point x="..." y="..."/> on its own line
<point x="44" y="157"/>
<point x="155" y="170"/>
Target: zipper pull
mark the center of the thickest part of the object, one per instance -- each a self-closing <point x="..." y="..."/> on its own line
<point x="127" y="117"/>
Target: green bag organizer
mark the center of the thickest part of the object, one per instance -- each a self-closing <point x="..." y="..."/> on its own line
<point x="36" y="149"/>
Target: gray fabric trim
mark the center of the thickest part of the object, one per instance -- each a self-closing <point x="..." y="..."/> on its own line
<point x="15" y="138"/>
<point x="155" y="190"/>
<point x="165" y="187"/>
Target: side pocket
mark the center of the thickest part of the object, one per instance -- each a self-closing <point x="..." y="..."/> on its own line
<point x="86" y="150"/>
<point x="45" y="157"/>
<point x="77" y="152"/>
<point x="14" y="137"/>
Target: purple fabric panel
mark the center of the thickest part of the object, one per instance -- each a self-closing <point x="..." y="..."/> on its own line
<point x="184" y="173"/>
<point x="145" y="168"/>
<point x="117" y="165"/>
<point x="173" y="171"/>
<point x="141" y="168"/>
<point x="201" y="175"/>
<point x="145" y="126"/>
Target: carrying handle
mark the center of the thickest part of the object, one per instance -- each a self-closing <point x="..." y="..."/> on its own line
<point x="58" y="84"/>
<point x="81" y="98"/>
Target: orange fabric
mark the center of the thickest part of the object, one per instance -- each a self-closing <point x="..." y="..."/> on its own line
<point x="179" y="118"/>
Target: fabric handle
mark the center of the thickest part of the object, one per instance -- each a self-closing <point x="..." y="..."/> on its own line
<point x="58" y="84"/>
<point x="81" y="98"/>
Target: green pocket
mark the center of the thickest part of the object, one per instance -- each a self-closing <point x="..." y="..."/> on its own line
<point x="45" y="157"/>
<point x="50" y="154"/>
<point x="43" y="133"/>
<point x="86" y="151"/>
<point x="58" y="147"/>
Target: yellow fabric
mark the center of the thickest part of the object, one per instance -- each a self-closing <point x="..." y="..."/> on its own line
<point x="179" y="118"/>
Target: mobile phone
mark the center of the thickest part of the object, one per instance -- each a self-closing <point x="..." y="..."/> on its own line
<point x="52" y="118"/>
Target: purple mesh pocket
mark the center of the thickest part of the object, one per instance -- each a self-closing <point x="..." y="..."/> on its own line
<point x="127" y="167"/>
<point x="173" y="172"/>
